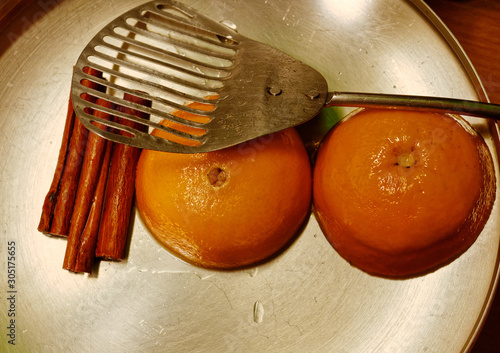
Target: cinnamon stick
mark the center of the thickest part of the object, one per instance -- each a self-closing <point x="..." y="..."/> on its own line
<point x="49" y="203"/>
<point x="89" y="177"/>
<point x="88" y="239"/>
<point x="113" y="233"/>
<point x="64" y="198"/>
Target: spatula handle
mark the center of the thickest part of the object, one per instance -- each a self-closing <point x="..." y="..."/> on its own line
<point x="435" y="104"/>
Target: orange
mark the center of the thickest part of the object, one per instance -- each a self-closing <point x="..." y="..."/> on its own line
<point x="399" y="193"/>
<point x="229" y="208"/>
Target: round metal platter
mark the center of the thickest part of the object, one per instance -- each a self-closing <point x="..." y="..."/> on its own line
<point x="307" y="299"/>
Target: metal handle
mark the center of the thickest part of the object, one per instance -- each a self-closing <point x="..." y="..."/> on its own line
<point x="434" y="104"/>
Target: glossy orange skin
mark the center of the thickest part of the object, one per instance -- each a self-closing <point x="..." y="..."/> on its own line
<point x="257" y="207"/>
<point x="398" y="193"/>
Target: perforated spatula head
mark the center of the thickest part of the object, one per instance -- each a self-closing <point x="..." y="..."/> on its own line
<point x="230" y="88"/>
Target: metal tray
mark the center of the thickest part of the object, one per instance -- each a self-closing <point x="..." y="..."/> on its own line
<point x="307" y="299"/>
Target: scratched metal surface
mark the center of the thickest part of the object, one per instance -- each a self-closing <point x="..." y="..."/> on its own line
<point x="307" y="299"/>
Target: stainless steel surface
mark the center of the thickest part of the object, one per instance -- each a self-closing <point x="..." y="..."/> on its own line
<point x="307" y="299"/>
<point x="432" y="104"/>
<point x="175" y="56"/>
<point x="168" y="53"/>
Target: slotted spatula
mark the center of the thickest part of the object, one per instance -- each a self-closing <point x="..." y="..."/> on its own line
<point x="229" y="88"/>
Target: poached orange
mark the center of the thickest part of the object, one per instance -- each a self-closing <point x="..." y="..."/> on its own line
<point x="229" y="208"/>
<point x="398" y="193"/>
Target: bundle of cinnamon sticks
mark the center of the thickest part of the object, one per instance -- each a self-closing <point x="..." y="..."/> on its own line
<point x="92" y="191"/>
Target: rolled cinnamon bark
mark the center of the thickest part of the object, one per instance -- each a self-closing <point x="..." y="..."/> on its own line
<point x="50" y="201"/>
<point x="88" y="239"/>
<point x="59" y="201"/>
<point x="69" y="181"/>
<point x="91" y="168"/>
<point x="113" y="233"/>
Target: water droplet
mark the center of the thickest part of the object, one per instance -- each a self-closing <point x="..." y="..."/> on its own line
<point x="230" y="25"/>
<point x="253" y="271"/>
<point x="203" y="276"/>
<point x="258" y="312"/>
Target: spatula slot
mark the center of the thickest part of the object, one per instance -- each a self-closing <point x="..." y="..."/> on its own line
<point x="164" y="25"/>
<point x="175" y="11"/>
<point x="179" y="139"/>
